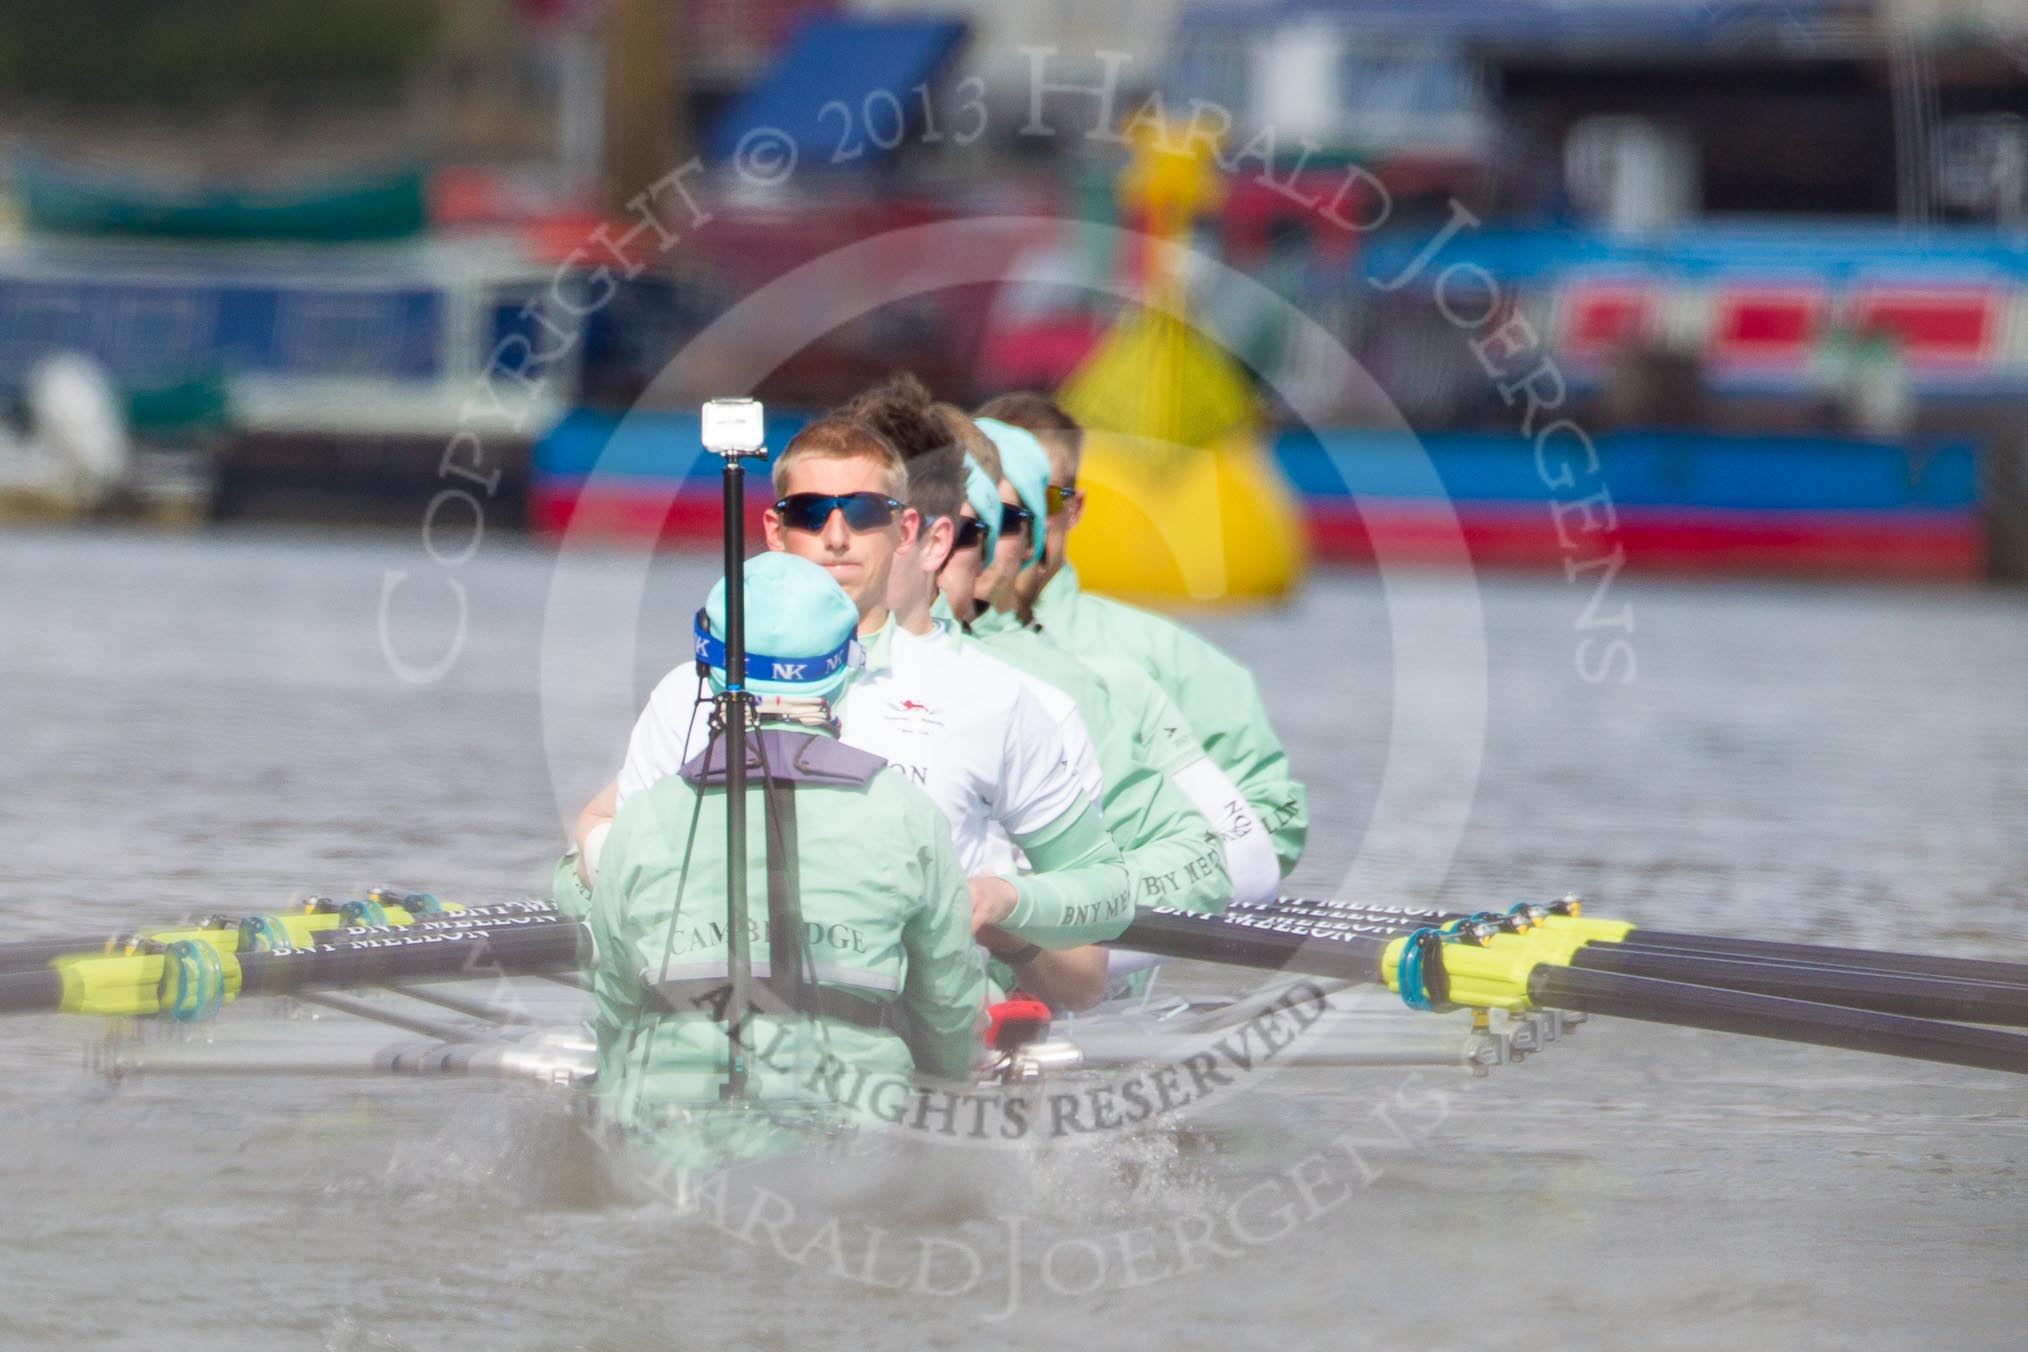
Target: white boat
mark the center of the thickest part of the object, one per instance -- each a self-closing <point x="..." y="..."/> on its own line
<point x="537" y="1030"/>
<point x="493" y="991"/>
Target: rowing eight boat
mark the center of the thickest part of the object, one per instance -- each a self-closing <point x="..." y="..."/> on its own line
<point x="1524" y="961"/>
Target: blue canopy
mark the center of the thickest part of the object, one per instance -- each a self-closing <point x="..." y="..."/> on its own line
<point x="849" y="60"/>
<point x="1525" y="23"/>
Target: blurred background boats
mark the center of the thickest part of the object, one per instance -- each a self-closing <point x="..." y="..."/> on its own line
<point x="1801" y="353"/>
<point x="79" y="449"/>
<point x="1765" y="256"/>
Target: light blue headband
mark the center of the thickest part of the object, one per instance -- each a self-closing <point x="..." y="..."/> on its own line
<point x="984" y="495"/>
<point x="1026" y="466"/>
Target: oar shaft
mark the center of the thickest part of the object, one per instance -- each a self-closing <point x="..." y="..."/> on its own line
<point x="27" y="954"/>
<point x="1406" y="915"/>
<point x="447" y="924"/>
<point x="1918" y="994"/>
<point x="1768" y="1016"/>
<point x="464" y="953"/>
<point x="1827" y="957"/>
<point x="136" y="984"/>
<point x="32" y="991"/>
<point x="1293" y="947"/>
<point x="1923" y="997"/>
<point x="1860" y="959"/>
<point x="2017" y="983"/>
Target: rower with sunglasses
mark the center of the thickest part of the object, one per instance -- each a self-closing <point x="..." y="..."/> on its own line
<point x="981" y="743"/>
<point x="1218" y="698"/>
<point x="900" y="409"/>
<point x="1159" y="734"/>
<point x="1178" y="859"/>
<point x="1172" y="855"/>
<point x="982" y="748"/>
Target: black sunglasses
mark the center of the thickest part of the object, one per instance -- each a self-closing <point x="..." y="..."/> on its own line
<point x="1057" y="495"/>
<point x="1015" y="520"/>
<point x="862" y="511"/>
<point x="968" y="532"/>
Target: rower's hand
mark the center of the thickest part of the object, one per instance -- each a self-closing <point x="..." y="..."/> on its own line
<point x="998" y="943"/>
<point x="993" y="899"/>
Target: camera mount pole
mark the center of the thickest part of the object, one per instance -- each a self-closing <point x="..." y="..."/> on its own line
<point x="733" y="713"/>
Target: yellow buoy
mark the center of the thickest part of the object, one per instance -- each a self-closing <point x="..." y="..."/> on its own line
<point x="1181" y="501"/>
<point x="1203" y="523"/>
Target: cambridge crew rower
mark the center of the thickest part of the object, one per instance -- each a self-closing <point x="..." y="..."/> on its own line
<point x="1172" y="854"/>
<point x="866" y="910"/>
<point x="986" y="753"/>
<point x="1171" y="850"/>
<point x="1217" y="695"/>
<point x="1160" y="735"/>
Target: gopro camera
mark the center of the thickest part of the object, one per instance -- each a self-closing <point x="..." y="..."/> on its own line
<point x="733" y="427"/>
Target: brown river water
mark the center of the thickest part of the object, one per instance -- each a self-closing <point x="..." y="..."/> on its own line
<point x="220" y="724"/>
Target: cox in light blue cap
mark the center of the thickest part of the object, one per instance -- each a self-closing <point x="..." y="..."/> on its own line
<point x="984" y="496"/>
<point x="799" y="628"/>
<point x="1026" y="465"/>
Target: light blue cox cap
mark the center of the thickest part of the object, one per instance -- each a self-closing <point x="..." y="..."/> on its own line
<point x="799" y="628"/>
<point x="1026" y="466"/>
<point x="984" y="495"/>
